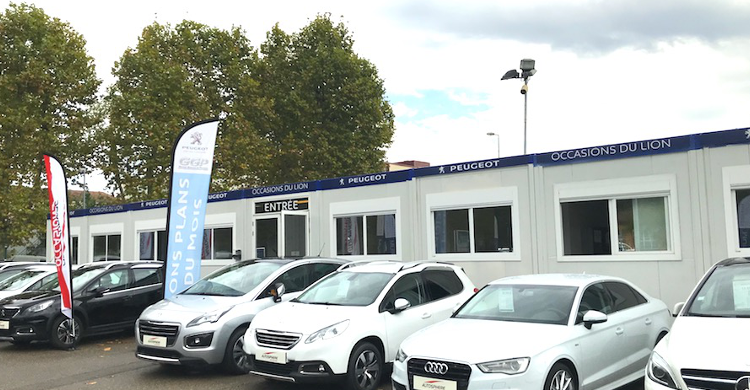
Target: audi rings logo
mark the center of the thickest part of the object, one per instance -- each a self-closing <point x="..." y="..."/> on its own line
<point x="436" y="368"/>
<point x="743" y="383"/>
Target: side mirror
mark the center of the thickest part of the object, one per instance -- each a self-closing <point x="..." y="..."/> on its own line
<point x="593" y="317"/>
<point x="677" y="309"/>
<point x="277" y="291"/>
<point x="401" y="304"/>
<point x="98" y="291"/>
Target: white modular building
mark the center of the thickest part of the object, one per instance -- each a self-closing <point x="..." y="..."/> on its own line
<point x="657" y="212"/>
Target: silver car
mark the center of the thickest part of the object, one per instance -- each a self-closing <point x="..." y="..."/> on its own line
<point x="205" y="323"/>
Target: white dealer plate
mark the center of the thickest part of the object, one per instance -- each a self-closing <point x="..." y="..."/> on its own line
<point x="4" y="324"/>
<point x="422" y="383"/>
<point x="272" y="357"/>
<point x="155" y="341"/>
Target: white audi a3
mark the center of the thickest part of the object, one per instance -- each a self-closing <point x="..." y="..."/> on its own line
<point x="551" y="332"/>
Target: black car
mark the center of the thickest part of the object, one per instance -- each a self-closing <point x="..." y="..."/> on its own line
<point x="108" y="297"/>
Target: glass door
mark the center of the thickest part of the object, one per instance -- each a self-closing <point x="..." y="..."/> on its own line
<point x="281" y="235"/>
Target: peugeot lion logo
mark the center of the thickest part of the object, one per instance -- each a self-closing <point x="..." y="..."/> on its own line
<point x="195" y="138"/>
<point x="438" y="368"/>
<point x="2" y="312"/>
<point x="743" y="383"/>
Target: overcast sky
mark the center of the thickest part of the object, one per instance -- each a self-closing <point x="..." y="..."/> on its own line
<point x="608" y="71"/>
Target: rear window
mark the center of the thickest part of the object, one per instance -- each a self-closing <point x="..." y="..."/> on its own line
<point x="441" y="283"/>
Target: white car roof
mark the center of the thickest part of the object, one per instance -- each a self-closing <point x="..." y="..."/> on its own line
<point x="391" y="267"/>
<point x="575" y="280"/>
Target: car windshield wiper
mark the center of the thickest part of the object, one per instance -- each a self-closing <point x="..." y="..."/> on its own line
<point x="202" y="293"/>
<point x="324" y="303"/>
<point x="689" y="314"/>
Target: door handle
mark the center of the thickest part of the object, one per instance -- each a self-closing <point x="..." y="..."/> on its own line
<point x="619" y="331"/>
<point x="426" y="315"/>
<point x="648" y="321"/>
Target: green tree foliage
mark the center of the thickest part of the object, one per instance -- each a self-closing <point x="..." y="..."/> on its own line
<point x="173" y="78"/>
<point x="330" y="116"/>
<point x="47" y="85"/>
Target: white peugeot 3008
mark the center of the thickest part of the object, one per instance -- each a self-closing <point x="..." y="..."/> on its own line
<point x="352" y="322"/>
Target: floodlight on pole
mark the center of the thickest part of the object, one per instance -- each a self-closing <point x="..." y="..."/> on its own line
<point x="527" y="70"/>
<point x="491" y="134"/>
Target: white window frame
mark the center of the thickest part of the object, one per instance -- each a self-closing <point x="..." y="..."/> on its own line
<point x="75" y="232"/>
<point x="734" y="178"/>
<point x="364" y="208"/>
<point x="218" y="221"/>
<point x="619" y="189"/>
<point x="146" y="226"/>
<point x="464" y="200"/>
<point x="101" y="230"/>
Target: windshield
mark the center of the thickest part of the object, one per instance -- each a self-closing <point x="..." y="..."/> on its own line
<point x="521" y="303"/>
<point x="80" y="277"/>
<point x="5" y="274"/>
<point x="235" y="280"/>
<point x="726" y="293"/>
<point x="347" y="289"/>
<point x="19" y="280"/>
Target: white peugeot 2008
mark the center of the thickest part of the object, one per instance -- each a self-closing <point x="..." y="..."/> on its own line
<point x="708" y="345"/>
<point x="551" y="332"/>
<point x="351" y="322"/>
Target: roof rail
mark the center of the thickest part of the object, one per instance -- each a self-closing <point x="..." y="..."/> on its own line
<point x="363" y="262"/>
<point x="412" y="264"/>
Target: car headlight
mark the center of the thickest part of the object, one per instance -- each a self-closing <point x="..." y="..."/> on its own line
<point x="39" y="306"/>
<point x="208" y="317"/>
<point x="507" y="366"/>
<point x="328" y="332"/>
<point x="658" y="371"/>
<point x="401" y="355"/>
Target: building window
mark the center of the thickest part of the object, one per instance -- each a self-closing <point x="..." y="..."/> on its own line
<point x="153" y="245"/>
<point x="743" y="217"/>
<point x="616" y="219"/>
<point x="366" y="235"/>
<point x="641" y="226"/>
<point x="74" y="250"/>
<point x="474" y="230"/>
<point x="107" y="247"/>
<point x="217" y="243"/>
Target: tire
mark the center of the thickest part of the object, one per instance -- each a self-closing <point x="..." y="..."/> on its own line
<point x="235" y="361"/>
<point x="561" y="377"/>
<point x="365" y="367"/>
<point x="60" y="333"/>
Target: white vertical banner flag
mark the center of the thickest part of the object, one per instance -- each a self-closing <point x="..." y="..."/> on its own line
<point x="192" y="161"/>
<point x="58" y="215"/>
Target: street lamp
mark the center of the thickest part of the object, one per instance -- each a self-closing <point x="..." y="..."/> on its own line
<point x="527" y="70"/>
<point x="491" y="134"/>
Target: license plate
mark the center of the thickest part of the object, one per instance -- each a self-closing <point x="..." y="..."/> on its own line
<point x="272" y="357"/>
<point x="423" y="383"/>
<point x="155" y="341"/>
<point x="4" y="324"/>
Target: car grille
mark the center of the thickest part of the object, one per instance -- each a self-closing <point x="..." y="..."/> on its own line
<point x="457" y="372"/>
<point x="276" y="339"/>
<point x="168" y="330"/>
<point x="710" y="379"/>
<point x="7" y="312"/>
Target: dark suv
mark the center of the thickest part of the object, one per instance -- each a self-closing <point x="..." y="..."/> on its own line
<point x="108" y="297"/>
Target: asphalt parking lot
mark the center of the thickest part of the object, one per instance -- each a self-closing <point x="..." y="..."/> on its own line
<point x="109" y="363"/>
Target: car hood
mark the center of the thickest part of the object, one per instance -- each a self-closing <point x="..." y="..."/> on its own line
<point x="189" y="306"/>
<point x="709" y="343"/>
<point x="477" y="341"/>
<point x="28" y="298"/>
<point x="304" y="318"/>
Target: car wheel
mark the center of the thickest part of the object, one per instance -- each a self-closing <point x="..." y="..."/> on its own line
<point x="61" y="333"/>
<point x="560" y="377"/>
<point x="365" y="367"/>
<point x="236" y="362"/>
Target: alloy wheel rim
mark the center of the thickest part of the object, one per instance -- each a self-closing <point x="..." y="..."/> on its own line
<point x="562" y="381"/>
<point x="238" y="353"/>
<point x="66" y="329"/>
<point x="366" y="369"/>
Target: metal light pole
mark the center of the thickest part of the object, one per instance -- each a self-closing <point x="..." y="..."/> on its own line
<point x="491" y="134"/>
<point x="527" y="70"/>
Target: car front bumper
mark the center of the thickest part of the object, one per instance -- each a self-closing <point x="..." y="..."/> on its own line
<point x="176" y="350"/>
<point x="477" y="380"/>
